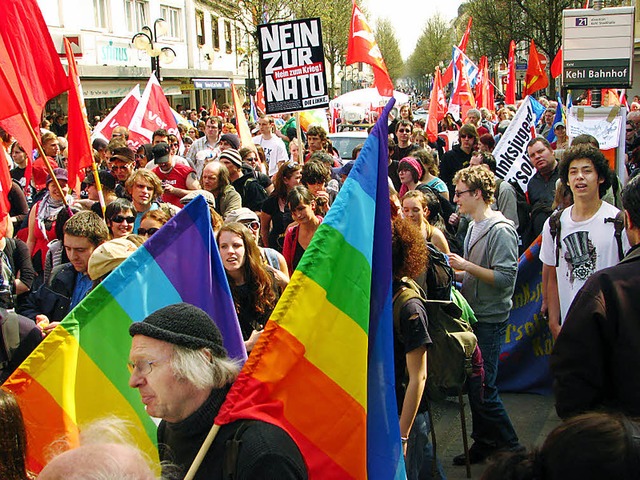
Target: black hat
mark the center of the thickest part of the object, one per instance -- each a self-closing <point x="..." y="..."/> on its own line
<point x="99" y="144"/>
<point x="232" y="155"/>
<point x="107" y="180"/>
<point x="161" y="152"/>
<point x="182" y="324"/>
<point x="232" y="139"/>
<point x="124" y="154"/>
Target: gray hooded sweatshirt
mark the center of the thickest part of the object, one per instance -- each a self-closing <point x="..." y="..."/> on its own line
<point x="495" y="247"/>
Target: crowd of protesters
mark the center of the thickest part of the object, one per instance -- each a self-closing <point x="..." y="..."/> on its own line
<point x="269" y="198"/>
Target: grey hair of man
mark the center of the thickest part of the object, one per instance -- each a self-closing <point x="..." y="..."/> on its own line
<point x="202" y="368"/>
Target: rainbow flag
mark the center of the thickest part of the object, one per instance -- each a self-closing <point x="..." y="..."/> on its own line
<point x="314" y="117"/>
<point x="79" y="372"/>
<point x="323" y="367"/>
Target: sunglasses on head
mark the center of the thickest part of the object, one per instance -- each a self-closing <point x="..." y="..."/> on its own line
<point x="147" y="231"/>
<point x="120" y="219"/>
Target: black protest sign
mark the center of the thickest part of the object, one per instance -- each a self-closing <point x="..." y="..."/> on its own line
<point x="292" y="65"/>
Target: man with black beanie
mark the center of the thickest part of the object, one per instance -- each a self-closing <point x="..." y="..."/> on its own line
<point x="183" y="373"/>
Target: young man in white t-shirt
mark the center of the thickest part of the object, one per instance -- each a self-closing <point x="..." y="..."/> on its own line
<point x="586" y="233"/>
<point x="275" y="150"/>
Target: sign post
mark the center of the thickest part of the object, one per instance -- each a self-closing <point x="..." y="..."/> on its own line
<point x="597" y="47"/>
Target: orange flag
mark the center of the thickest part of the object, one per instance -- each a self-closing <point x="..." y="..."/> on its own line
<point x="510" y="94"/>
<point x="241" y="121"/>
<point x="363" y="48"/>
<point x="80" y="151"/>
<point x="213" y="111"/>
<point x="437" y="107"/>
<point x="536" y="78"/>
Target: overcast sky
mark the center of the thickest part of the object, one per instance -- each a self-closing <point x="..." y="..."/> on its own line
<point x="409" y="17"/>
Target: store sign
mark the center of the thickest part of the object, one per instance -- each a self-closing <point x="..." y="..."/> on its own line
<point x="292" y="65"/>
<point x="113" y="53"/>
<point x="597" y="47"/>
<point x="213" y="83"/>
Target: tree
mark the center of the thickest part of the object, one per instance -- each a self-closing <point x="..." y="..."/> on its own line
<point x="388" y="43"/>
<point x="433" y="46"/>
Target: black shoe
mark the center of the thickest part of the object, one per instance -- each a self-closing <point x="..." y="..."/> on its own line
<point x="476" y="455"/>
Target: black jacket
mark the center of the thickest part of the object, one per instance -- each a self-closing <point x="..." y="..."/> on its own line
<point x="52" y="299"/>
<point x="452" y="161"/>
<point x="266" y="452"/>
<point x="594" y="361"/>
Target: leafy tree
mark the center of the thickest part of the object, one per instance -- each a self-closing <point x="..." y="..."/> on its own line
<point x="433" y="47"/>
<point x="388" y="43"/>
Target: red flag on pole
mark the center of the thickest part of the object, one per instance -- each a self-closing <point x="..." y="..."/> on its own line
<point x="556" y="65"/>
<point x="437" y="107"/>
<point x="153" y="112"/>
<point x="213" y="111"/>
<point x="363" y="48"/>
<point x="536" y="78"/>
<point x="510" y="94"/>
<point x="260" y="105"/>
<point x="447" y="76"/>
<point x="119" y="116"/>
<point x="484" y="97"/>
<point x="27" y="54"/>
<point x="462" y="98"/>
<point x="80" y="151"/>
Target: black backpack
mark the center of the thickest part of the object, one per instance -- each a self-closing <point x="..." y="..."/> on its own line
<point x="446" y="207"/>
<point x="449" y="358"/>
<point x="439" y="276"/>
<point x="253" y="194"/>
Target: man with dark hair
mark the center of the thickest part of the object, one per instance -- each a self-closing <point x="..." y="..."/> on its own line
<point x="316" y="141"/>
<point x="181" y="368"/>
<point x="541" y="189"/>
<point x="315" y="176"/>
<point x="600" y="340"/>
<point x="459" y="156"/>
<point x="547" y="122"/>
<point x="122" y="162"/>
<point x="177" y="179"/>
<point x="160" y="135"/>
<point x="69" y="282"/>
<point x="243" y="180"/>
<point x="583" y="238"/>
<point x="403" y="134"/>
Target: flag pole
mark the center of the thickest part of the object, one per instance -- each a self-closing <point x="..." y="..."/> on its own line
<point x="193" y="469"/>
<point x="35" y="138"/>
<point x="301" y="152"/>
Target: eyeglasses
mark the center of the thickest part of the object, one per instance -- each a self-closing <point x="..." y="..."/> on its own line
<point x="459" y="194"/>
<point x="147" y="231"/>
<point x="144" y="367"/>
<point x="466" y="136"/>
<point x="120" y="219"/>
<point x="404" y="130"/>
<point x="251" y="159"/>
<point x="176" y="145"/>
<point x="117" y="167"/>
<point x="253" y="225"/>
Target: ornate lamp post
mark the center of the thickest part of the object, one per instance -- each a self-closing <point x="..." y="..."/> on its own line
<point x="147" y="39"/>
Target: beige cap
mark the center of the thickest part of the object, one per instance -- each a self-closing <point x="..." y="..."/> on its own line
<point x="241" y="215"/>
<point x="106" y="257"/>
<point x="208" y="196"/>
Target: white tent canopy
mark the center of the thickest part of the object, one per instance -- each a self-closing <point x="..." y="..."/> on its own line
<point x="367" y="98"/>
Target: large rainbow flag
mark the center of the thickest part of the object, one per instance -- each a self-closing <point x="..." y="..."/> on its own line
<point x="79" y="372"/>
<point x="323" y="367"/>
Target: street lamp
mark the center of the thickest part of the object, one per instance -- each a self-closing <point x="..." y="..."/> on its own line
<point x="147" y="40"/>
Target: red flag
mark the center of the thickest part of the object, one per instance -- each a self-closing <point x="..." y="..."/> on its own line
<point x="27" y="54"/>
<point x="462" y="97"/>
<point x="260" y="105"/>
<point x="556" y="65"/>
<point x="437" y="107"/>
<point x="5" y="206"/>
<point x="213" y="111"/>
<point x="510" y="94"/>
<point x="120" y="115"/>
<point x="536" y="78"/>
<point x="483" y="87"/>
<point x="363" y="48"/>
<point x="80" y="151"/>
<point x="153" y="112"/>
<point x="447" y="76"/>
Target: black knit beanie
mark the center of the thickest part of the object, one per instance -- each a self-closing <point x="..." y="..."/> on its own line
<point x="182" y="324"/>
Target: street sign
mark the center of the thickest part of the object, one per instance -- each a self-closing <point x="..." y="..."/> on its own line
<point x="597" y="47"/>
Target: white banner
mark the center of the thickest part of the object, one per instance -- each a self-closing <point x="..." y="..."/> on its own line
<point x="511" y="151"/>
<point x="607" y="132"/>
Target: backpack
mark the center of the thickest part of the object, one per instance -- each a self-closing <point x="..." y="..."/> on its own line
<point x="10" y="331"/>
<point x="449" y="358"/>
<point x="253" y="194"/>
<point x="446" y="207"/>
<point x="555" y="227"/>
<point x="439" y="276"/>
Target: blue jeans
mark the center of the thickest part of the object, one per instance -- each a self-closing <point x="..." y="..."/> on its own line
<point x="419" y="458"/>
<point x="492" y="426"/>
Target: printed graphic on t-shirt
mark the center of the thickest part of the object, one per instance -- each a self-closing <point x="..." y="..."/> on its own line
<point x="580" y="256"/>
